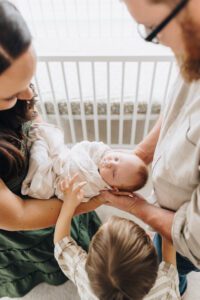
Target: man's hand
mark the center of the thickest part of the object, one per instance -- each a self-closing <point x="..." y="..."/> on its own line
<point x="158" y="218"/>
<point x="126" y="201"/>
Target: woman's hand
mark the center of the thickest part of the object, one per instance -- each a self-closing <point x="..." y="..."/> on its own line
<point x="73" y="196"/>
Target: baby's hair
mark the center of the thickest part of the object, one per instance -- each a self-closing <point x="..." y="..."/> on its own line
<point x="141" y="179"/>
<point x="143" y="174"/>
<point x="122" y="262"/>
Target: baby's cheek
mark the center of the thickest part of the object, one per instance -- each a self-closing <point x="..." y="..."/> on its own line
<point x="105" y="175"/>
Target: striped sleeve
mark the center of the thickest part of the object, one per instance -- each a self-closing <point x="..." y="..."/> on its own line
<point x="166" y="286"/>
<point x="71" y="259"/>
<point x="185" y="229"/>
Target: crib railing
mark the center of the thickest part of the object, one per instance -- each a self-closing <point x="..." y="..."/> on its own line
<point x="114" y="99"/>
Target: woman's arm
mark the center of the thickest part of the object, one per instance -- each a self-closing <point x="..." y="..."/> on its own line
<point x="145" y="150"/>
<point x="31" y="214"/>
<point x="18" y="214"/>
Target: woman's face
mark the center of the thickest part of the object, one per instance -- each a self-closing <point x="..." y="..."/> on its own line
<point x="14" y="82"/>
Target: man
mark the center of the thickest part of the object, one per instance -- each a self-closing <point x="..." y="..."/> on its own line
<point x="174" y="143"/>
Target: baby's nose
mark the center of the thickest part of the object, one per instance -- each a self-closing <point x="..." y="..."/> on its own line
<point x="107" y="163"/>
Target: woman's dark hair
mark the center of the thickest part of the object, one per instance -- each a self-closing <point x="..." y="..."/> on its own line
<point x="15" y="37"/>
<point x="12" y="160"/>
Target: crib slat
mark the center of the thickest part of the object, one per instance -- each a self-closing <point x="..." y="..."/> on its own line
<point x="121" y="118"/>
<point x="135" y="107"/>
<point x="167" y="86"/>
<point x="77" y="17"/>
<point x="96" y="123"/>
<point x="83" y="119"/>
<point x="149" y="105"/>
<point x="111" y="17"/>
<point x="108" y="106"/>
<point x="99" y="17"/>
<point x="55" y="18"/>
<point x="123" y="12"/>
<point x="67" y="32"/>
<point x="109" y="117"/>
<point x="58" y="120"/>
<point x="69" y="109"/>
<point x="32" y="19"/>
<point x="44" y="113"/>
<point x="46" y="33"/>
<point x="88" y="17"/>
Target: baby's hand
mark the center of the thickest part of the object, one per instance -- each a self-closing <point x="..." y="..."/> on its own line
<point x="72" y="195"/>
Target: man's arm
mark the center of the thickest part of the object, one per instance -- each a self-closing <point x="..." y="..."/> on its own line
<point x="180" y="227"/>
<point x="145" y="149"/>
<point x="158" y="218"/>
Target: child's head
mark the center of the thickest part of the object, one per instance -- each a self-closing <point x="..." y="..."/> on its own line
<point x="123" y="171"/>
<point x="122" y="262"/>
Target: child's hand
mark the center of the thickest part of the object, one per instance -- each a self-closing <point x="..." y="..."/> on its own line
<point x="72" y="198"/>
<point x="72" y="195"/>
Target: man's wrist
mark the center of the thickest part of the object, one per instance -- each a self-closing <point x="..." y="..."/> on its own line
<point x="142" y="154"/>
<point x="140" y="210"/>
<point x="158" y="218"/>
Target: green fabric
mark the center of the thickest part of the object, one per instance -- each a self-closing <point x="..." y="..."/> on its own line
<point x="27" y="258"/>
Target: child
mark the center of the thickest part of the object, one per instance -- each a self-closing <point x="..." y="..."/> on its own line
<point x="122" y="262"/>
<point x="102" y="168"/>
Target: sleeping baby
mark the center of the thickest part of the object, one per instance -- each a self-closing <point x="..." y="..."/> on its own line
<point x="51" y="160"/>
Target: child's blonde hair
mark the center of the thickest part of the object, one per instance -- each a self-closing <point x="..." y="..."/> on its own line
<point x="122" y="262"/>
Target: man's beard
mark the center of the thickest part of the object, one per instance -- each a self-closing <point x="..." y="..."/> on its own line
<point x="190" y="62"/>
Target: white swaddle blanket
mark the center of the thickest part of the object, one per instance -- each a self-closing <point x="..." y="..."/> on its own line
<point x="51" y="160"/>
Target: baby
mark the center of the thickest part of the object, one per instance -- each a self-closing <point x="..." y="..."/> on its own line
<point x="121" y="263"/>
<point x="96" y="163"/>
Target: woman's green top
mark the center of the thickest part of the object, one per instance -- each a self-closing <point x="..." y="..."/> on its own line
<point x="27" y="257"/>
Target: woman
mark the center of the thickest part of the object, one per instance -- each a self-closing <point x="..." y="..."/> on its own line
<point x="26" y="238"/>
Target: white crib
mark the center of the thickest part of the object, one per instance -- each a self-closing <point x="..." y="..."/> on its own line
<point x="113" y="99"/>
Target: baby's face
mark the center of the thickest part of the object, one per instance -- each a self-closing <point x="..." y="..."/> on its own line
<point x="119" y="170"/>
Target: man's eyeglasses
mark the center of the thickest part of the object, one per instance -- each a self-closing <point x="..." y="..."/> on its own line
<point x="150" y="34"/>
